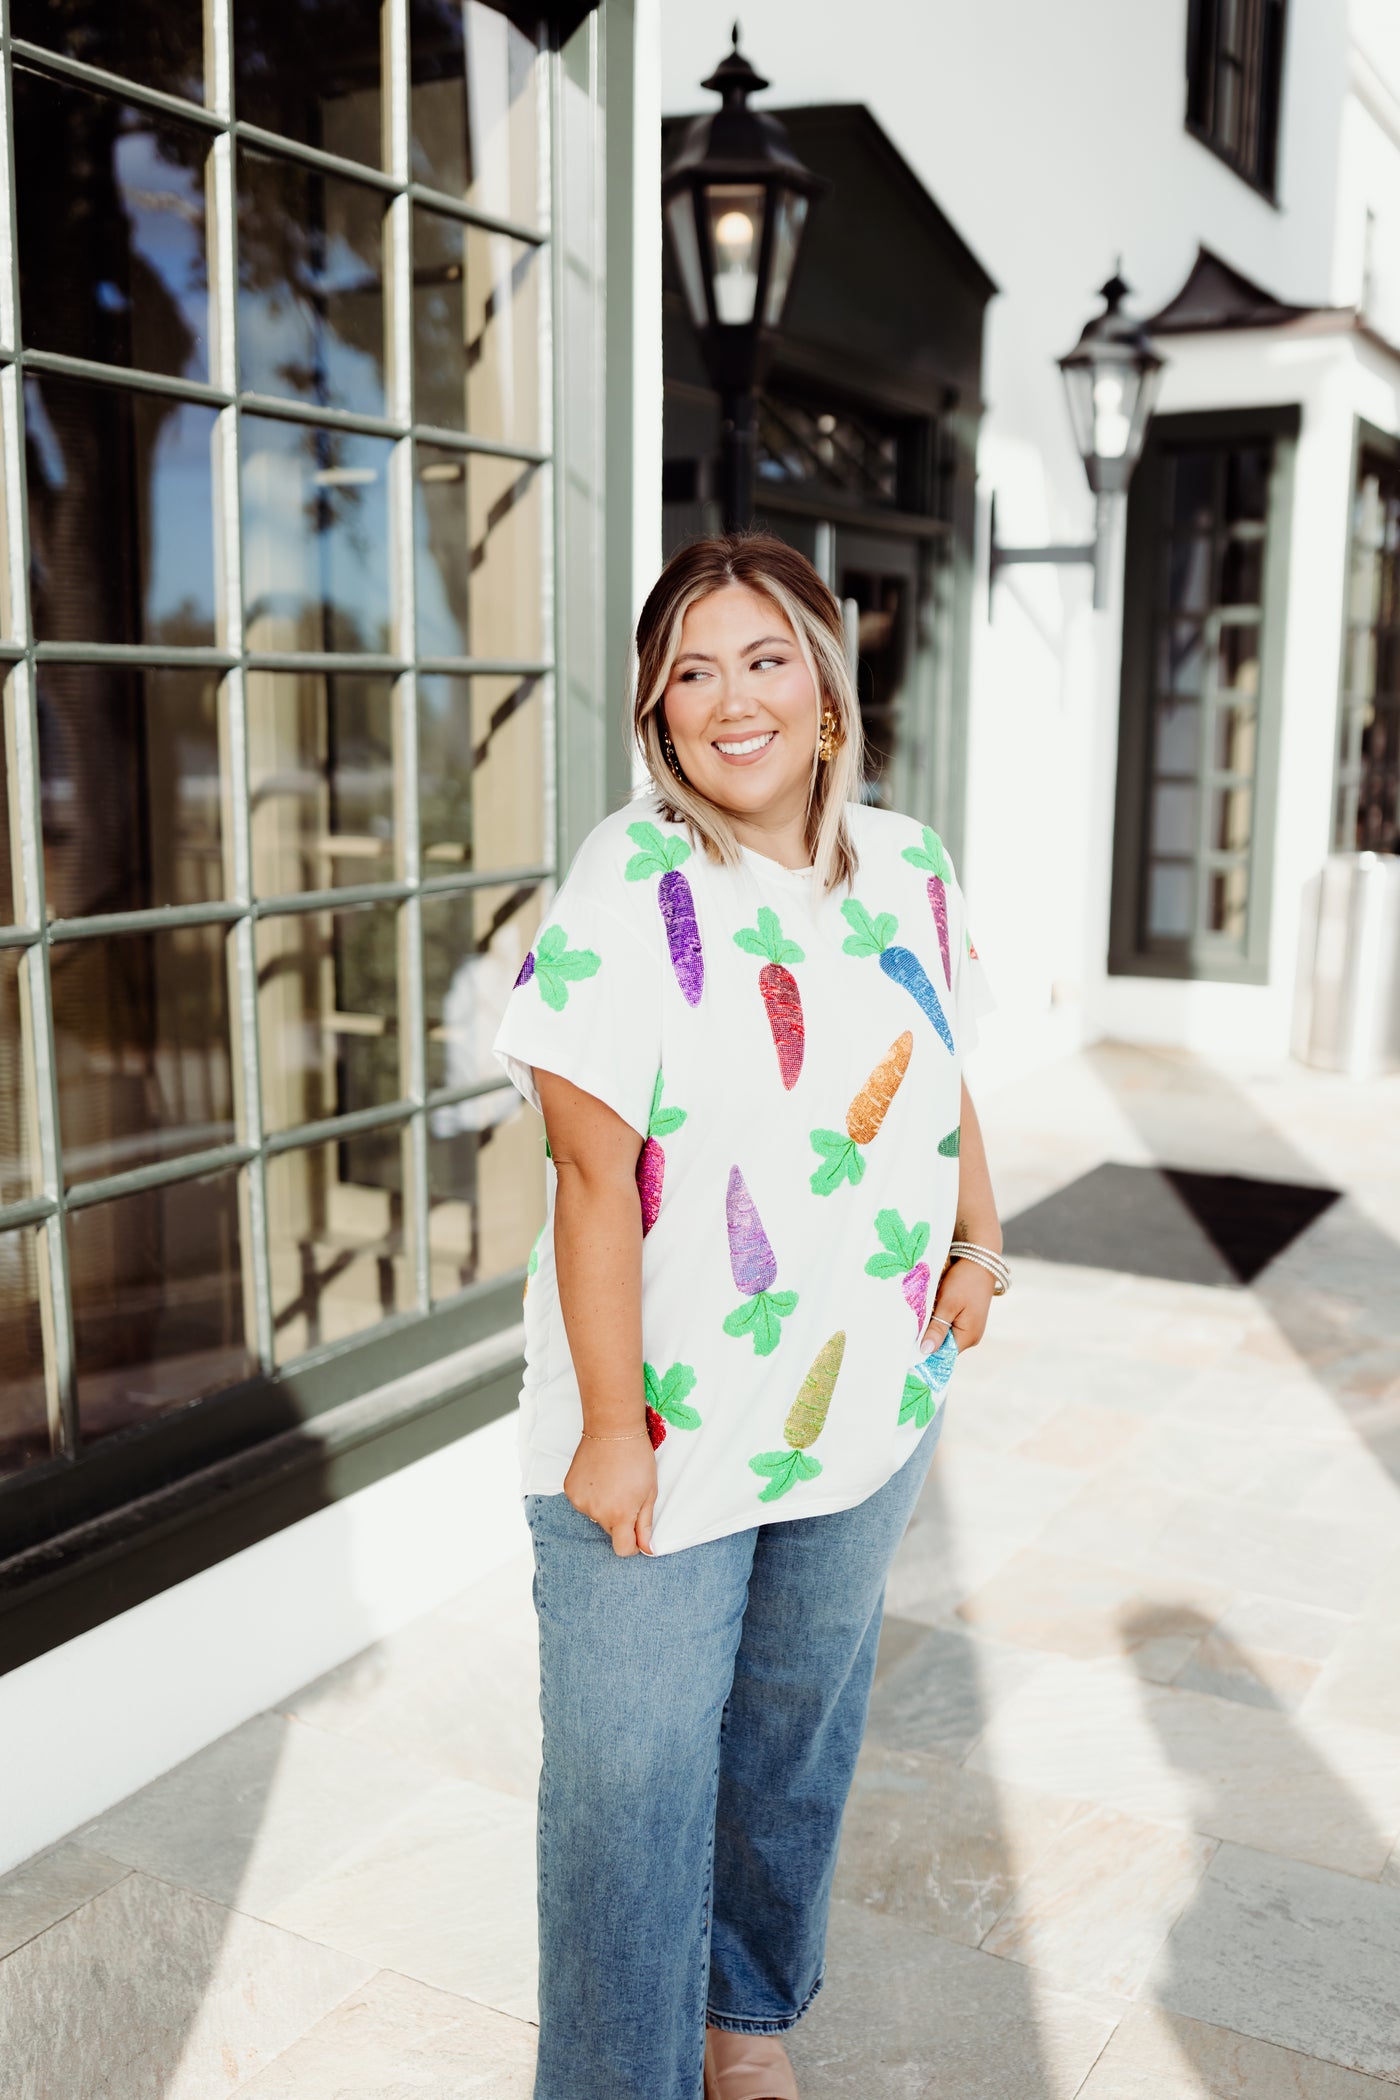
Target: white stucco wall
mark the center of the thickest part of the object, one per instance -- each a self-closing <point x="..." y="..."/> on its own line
<point x="1054" y="139"/>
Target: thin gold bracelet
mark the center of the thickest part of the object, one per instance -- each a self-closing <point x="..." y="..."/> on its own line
<point x="613" y="1436"/>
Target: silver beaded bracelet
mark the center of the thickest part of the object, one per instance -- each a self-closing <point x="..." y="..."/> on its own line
<point x="968" y="1250"/>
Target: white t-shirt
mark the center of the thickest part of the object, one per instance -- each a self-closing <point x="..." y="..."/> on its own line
<point x="792" y="1060"/>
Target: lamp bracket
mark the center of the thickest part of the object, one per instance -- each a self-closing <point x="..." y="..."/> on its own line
<point x="1060" y="554"/>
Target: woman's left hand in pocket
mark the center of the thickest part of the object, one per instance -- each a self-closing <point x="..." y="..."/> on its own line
<point x="962" y="1304"/>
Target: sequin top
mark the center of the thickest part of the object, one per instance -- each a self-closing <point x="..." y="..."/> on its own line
<point x="791" y="1062"/>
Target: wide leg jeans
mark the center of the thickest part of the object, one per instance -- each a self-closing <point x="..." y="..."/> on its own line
<point x="702" y="1715"/>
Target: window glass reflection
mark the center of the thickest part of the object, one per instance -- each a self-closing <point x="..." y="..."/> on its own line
<point x="162" y="47"/>
<point x="121" y="514"/>
<point x="129" y="788"/>
<point x="111" y="223"/>
<point x="485" y="1192"/>
<point x="8" y="886"/>
<point x="321" y="777"/>
<point x="315" y="537"/>
<point x="16" y="1139"/>
<point x="481" y="772"/>
<point x="476" y="320"/>
<point x="24" y="1432"/>
<point x="16" y="1150"/>
<point x="158" y="1301"/>
<point x="310" y="290"/>
<point x="475" y="108"/>
<point x="328" y="1013"/>
<point x="310" y="70"/>
<point x="336" y="1244"/>
<point x="473" y="945"/>
<point x="141" y="1029"/>
<point x="478" y="524"/>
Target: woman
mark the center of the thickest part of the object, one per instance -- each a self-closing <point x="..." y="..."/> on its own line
<point x="743" y="1024"/>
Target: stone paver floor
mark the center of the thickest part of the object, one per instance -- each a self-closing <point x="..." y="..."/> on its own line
<point x="1126" y="1822"/>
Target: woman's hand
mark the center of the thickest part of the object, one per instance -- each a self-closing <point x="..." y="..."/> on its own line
<point x="964" y="1299"/>
<point x="614" y="1483"/>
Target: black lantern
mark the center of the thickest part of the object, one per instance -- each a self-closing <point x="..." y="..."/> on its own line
<point x="1111" y="377"/>
<point x="736" y="199"/>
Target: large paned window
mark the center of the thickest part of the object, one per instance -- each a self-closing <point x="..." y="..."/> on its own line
<point x="1234" y="76"/>
<point x="276" y="615"/>
<point x="1368" y="768"/>
<point x="1202" y="617"/>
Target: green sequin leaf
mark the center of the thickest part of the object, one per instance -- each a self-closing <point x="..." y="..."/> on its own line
<point x="919" y="1404"/>
<point x="657" y="856"/>
<point x="930" y="855"/>
<point x="841" y="1161"/>
<point x="951" y="1146"/>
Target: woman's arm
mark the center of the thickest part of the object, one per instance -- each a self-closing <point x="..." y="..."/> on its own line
<point x="965" y="1289"/>
<point x="598" y="1261"/>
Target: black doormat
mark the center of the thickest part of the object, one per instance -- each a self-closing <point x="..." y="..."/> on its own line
<point x="1163" y="1221"/>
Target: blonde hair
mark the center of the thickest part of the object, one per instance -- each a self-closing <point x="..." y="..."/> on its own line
<point x="779" y="573"/>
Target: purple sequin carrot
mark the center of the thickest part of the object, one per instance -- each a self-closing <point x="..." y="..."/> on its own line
<point x="662" y="856"/>
<point x="651" y="1161"/>
<point x="931" y="856"/>
<point x="755" y="1269"/>
<point x="751" y="1257"/>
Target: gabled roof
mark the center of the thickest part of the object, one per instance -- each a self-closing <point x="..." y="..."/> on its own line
<point x="1218" y="296"/>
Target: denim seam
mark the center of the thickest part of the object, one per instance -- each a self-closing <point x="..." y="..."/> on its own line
<point x="730" y="2025"/>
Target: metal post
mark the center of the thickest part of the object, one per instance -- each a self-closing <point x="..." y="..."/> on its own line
<point x="1105" y="521"/>
<point x="737" y="460"/>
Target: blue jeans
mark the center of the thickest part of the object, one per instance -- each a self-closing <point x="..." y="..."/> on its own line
<point x="702" y="1715"/>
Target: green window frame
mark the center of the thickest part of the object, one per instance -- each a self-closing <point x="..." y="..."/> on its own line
<point x="1366" y="801"/>
<point x="1205" y="598"/>
<point x="93" y="1523"/>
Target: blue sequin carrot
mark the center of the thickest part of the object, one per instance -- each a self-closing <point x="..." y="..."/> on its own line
<point x="876" y="937"/>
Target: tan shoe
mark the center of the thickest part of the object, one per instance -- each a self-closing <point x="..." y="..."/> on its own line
<point x="747" y="2067"/>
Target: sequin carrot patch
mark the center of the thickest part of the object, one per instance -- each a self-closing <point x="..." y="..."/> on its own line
<point x="651" y="1161"/>
<point x="553" y="965"/>
<point x="876" y="937"/>
<point x="901" y="1254"/>
<point x="666" y="1401"/>
<point x="931" y="856"/>
<point x="805" y="1422"/>
<point x="662" y="856"/>
<point x="778" y="989"/>
<point x="755" y="1269"/>
<point x="840" y="1157"/>
<point x="926" y="1384"/>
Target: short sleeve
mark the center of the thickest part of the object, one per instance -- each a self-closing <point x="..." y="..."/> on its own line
<point x="973" y="997"/>
<point x="587" y="1005"/>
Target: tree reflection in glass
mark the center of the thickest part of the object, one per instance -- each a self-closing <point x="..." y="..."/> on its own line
<point x="310" y="289"/>
<point x="315" y="537"/>
<point x="147" y="40"/>
<point x="111" y="223"/>
<point x="121" y="513"/>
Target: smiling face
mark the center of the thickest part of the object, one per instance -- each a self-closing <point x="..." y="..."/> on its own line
<point x="741" y="707"/>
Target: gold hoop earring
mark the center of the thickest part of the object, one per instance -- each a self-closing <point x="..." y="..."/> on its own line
<point x="668" y="750"/>
<point x="828" y="742"/>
